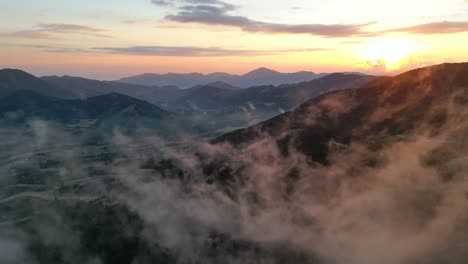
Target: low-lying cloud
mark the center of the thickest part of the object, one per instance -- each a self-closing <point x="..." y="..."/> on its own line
<point x="348" y="212"/>
<point x="47" y="31"/>
<point x="189" y="51"/>
<point x="170" y="51"/>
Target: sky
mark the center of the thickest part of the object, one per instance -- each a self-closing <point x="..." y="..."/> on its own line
<point x="112" y="39"/>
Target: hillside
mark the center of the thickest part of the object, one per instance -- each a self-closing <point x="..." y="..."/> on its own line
<point x="336" y="180"/>
<point x="83" y="88"/>
<point x="413" y="102"/>
<point x="12" y="80"/>
<point x="113" y="110"/>
<point x="259" y="100"/>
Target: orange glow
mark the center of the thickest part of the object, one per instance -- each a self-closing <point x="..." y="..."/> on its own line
<point x="388" y="51"/>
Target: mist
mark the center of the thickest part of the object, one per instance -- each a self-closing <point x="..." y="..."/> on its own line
<point x="378" y="196"/>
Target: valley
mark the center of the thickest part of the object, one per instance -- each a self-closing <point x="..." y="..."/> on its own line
<point x="368" y="160"/>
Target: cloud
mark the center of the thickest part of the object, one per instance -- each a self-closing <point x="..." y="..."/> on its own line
<point x="45" y="30"/>
<point x="221" y="204"/>
<point x="49" y="48"/>
<point x="67" y="28"/>
<point x="347" y="212"/>
<point x="161" y="2"/>
<point x="138" y="21"/>
<point x="197" y="2"/>
<point x="295" y="8"/>
<point x="219" y="13"/>
<point x="444" y="27"/>
<point x="65" y="50"/>
<point x="194" y="51"/>
<point x="213" y="12"/>
<point x="353" y="42"/>
<point x="174" y="51"/>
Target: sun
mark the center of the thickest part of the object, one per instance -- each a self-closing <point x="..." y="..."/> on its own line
<point x="388" y="51"/>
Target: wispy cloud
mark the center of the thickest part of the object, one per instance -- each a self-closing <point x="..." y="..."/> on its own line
<point x="169" y="51"/>
<point x="353" y="42"/>
<point x="49" y="48"/>
<point x="206" y="2"/>
<point x="45" y="30"/>
<point x="444" y="27"/>
<point x="214" y="12"/>
<point x="66" y="50"/>
<point x="188" y="51"/>
<point x="161" y="2"/>
<point x="220" y="13"/>
<point x="138" y="21"/>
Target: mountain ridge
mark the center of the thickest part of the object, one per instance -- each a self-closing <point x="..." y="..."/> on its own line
<point x="113" y="109"/>
<point x="12" y="80"/>
<point x="257" y="77"/>
<point x="385" y="107"/>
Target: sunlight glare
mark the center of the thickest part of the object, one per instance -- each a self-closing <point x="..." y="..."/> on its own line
<point x="389" y="51"/>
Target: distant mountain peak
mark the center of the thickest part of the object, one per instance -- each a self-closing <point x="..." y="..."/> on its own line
<point x="12" y="70"/>
<point x="259" y="77"/>
<point x="15" y="72"/>
<point x="12" y="80"/>
<point x="262" y="71"/>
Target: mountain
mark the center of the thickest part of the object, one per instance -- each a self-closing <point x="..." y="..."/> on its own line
<point x="179" y="80"/>
<point x="261" y="73"/>
<point x="68" y="87"/>
<point x="286" y="97"/>
<point x="385" y="160"/>
<point x="12" y="80"/>
<point x="109" y="110"/>
<point x="258" y="77"/>
<point x="336" y="180"/>
<point x="217" y="105"/>
<point x="84" y="88"/>
<point x="264" y="100"/>
<point x="202" y="98"/>
<point x="217" y="97"/>
<point x="425" y="100"/>
<point x="219" y="108"/>
<point x="223" y="85"/>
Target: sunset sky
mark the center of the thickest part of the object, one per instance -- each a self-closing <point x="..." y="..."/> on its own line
<point x="112" y="39"/>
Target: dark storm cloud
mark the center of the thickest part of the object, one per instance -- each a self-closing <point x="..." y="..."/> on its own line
<point x="192" y="51"/>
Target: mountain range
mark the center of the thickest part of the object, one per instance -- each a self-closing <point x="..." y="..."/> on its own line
<point x="358" y="164"/>
<point x="218" y="103"/>
<point x="12" y="80"/>
<point x="259" y="100"/>
<point x="111" y="110"/>
<point x="258" y="77"/>
<point x="387" y="160"/>
<point x="84" y="88"/>
<point x="418" y="101"/>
